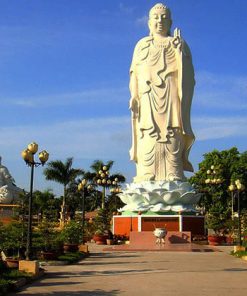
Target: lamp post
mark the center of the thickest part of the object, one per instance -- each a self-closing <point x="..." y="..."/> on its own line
<point x="214" y="177"/>
<point x="103" y="179"/>
<point x="81" y="188"/>
<point x="232" y="189"/>
<point x="116" y="189"/>
<point x="28" y="156"/>
<point x="214" y="213"/>
<point x="235" y="189"/>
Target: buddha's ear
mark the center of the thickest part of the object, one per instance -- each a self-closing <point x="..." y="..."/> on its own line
<point x="170" y="25"/>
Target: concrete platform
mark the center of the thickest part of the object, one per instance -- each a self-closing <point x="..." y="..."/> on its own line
<point x="175" y="241"/>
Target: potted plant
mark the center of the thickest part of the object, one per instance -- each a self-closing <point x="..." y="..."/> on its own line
<point x="100" y="237"/>
<point x="12" y="242"/>
<point x="102" y="226"/>
<point x="89" y="230"/>
<point x="49" y="240"/>
<point x="71" y="235"/>
<point x="110" y="238"/>
<point x="216" y="220"/>
<point x="231" y="230"/>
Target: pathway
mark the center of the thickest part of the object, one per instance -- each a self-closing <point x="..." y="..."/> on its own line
<point x="146" y="273"/>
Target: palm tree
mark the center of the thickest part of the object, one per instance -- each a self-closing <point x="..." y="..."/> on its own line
<point x="63" y="173"/>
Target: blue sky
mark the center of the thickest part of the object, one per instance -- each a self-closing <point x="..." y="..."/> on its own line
<point x="64" y="78"/>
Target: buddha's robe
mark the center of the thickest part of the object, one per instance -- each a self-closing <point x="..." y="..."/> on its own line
<point x="162" y="82"/>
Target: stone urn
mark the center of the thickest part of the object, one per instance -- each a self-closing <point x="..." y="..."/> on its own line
<point x="160" y="234"/>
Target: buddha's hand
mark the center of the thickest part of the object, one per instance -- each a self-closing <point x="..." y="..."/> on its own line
<point x="177" y="40"/>
<point x="134" y="105"/>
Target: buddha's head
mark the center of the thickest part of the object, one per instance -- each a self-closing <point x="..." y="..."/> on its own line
<point x="160" y="20"/>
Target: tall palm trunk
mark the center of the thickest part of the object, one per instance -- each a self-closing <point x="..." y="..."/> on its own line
<point x="64" y="205"/>
<point x="63" y="209"/>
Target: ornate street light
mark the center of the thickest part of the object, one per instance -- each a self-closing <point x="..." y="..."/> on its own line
<point x="81" y="188"/>
<point x="235" y="188"/>
<point x="115" y="190"/>
<point x="103" y="179"/>
<point x="28" y="156"/>
<point x="214" y="176"/>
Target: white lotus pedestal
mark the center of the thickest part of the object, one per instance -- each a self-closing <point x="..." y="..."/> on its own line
<point x="159" y="204"/>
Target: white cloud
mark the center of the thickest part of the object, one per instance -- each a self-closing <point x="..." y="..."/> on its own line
<point x="126" y="9"/>
<point x="221" y="92"/>
<point x="92" y="138"/>
<point x="212" y="92"/>
<point x="70" y="98"/>
<point x="103" y="137"/>
<point x="95" y="138"/>
<point x="87" y="140"/>
<point x="209" y="128"/>
<point x="142" y="21"/>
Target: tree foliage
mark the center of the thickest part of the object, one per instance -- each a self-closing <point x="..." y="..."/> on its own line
<point x="92" y="176"/>
<point x="229" y="165"/>
<point x="46" y="205"/>
<point x="63" y="173"/>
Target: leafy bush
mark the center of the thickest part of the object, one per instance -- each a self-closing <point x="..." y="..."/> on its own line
<point x="102" y="222"/>
<point x="2" y="267"/>
<point x="49" y="236"/>
<point x="244" y="242"/>
<point x="239" y="254"/>
<point x="9" y="276"/>
<point x="72" y="233"/>
<point x="12" y="237"/>
<point x="14" y="274"/>
<point x="4" y="284"/>
<point x="217" y="219"/>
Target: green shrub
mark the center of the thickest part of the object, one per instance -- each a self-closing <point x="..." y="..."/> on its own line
<point x="12" y="237"/>
<point x="72" y="233"/>
<point x="102" y="222"/>
<point x="239" y="254"/>
<point x="9" y="276"/>
<point x="2" y="267"/>
<point x="4" y="284"/>
<point x="48" y="236"/>
<point x="71" y="257"/>
<point x="14" y="274"/>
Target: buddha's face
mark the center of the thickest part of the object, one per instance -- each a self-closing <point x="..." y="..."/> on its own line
<point x="159" y="22"/>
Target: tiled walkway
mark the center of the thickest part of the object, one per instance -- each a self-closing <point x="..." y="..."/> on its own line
<point x="146" y="273"/>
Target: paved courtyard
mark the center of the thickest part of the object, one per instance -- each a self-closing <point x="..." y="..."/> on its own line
<point x="146" y="273"/>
